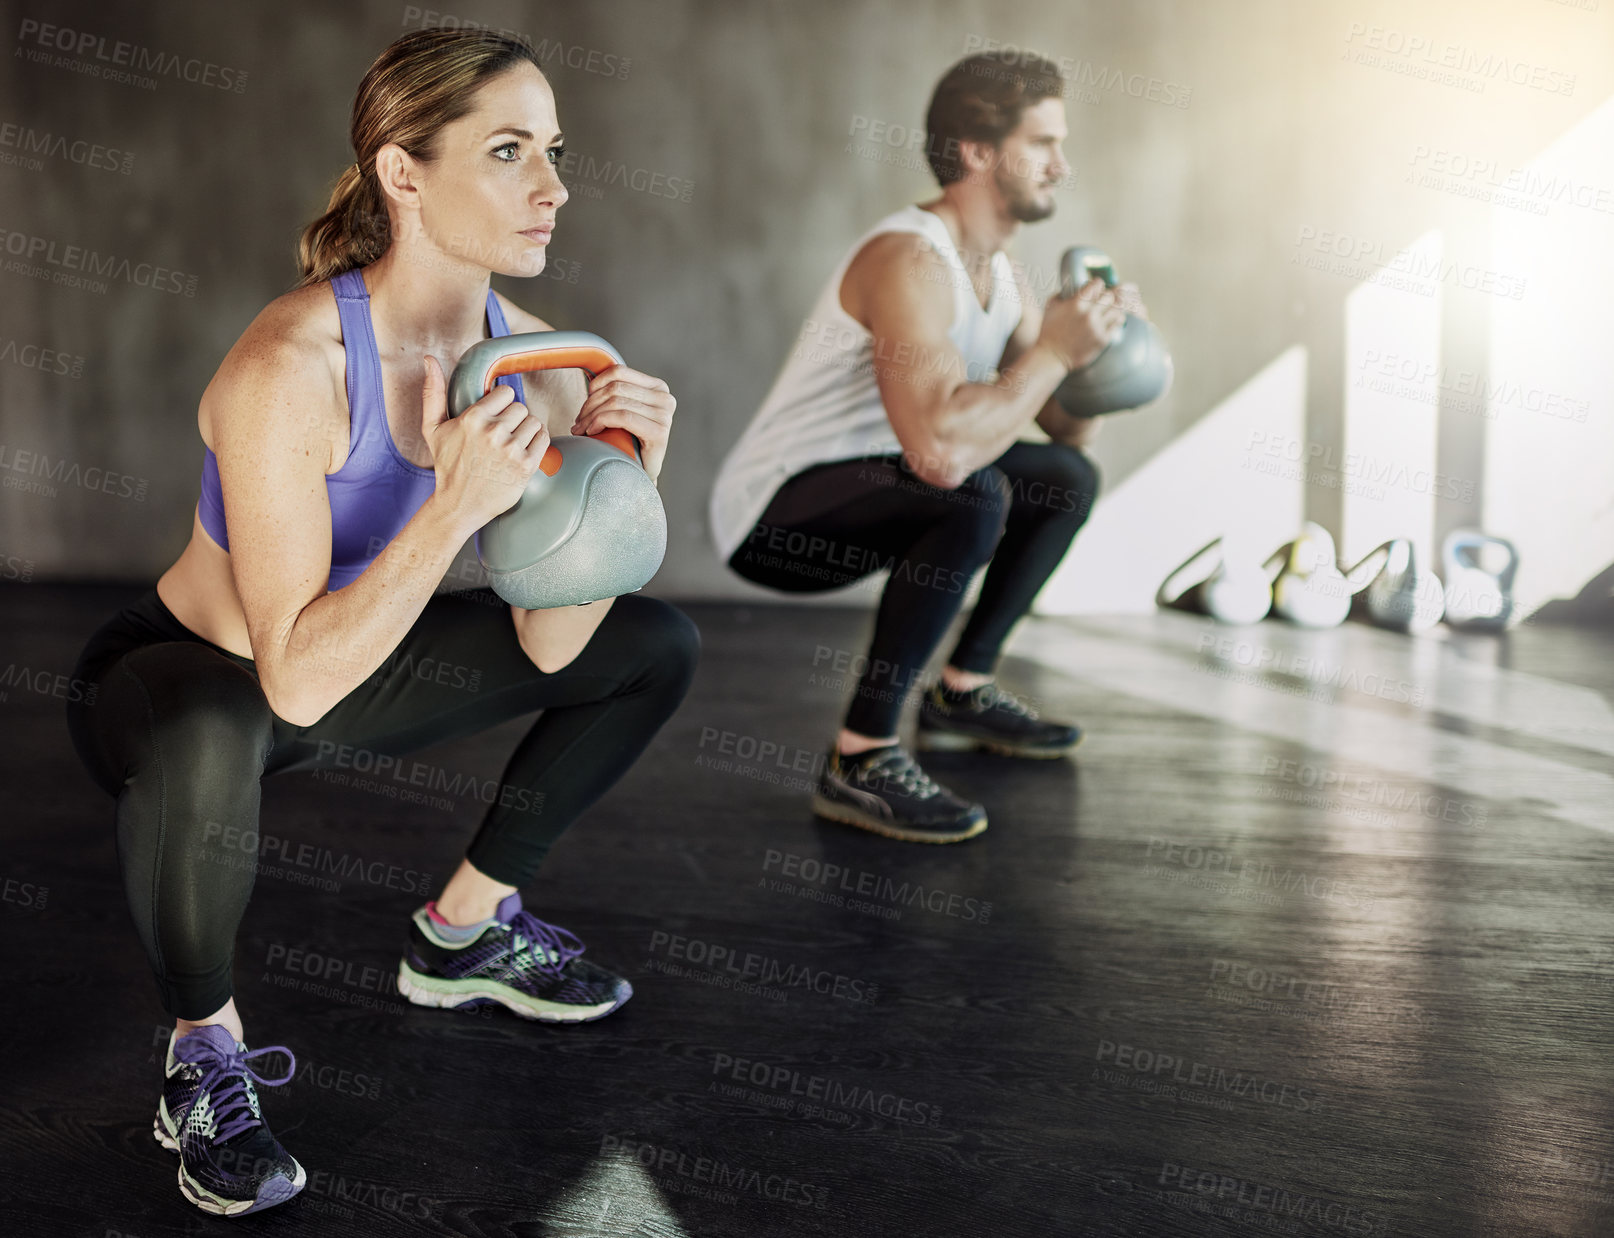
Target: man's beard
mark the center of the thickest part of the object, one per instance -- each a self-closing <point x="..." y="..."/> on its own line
<point x="1022" y="206"/>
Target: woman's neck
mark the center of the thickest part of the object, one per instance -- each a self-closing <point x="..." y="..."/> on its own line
<point x="427" y="302"/>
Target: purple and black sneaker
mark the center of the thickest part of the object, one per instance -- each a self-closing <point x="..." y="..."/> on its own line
<point x="534" y="968"/>
<point x="229" y="1163"/>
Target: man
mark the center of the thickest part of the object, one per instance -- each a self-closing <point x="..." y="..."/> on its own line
<point x="892" y="438"/>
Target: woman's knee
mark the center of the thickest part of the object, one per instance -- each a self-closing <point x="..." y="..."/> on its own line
<point x="192" y="700"/>
<point x="666" y="640"/>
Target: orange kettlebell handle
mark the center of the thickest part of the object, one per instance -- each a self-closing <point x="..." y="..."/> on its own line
<point x="561" y="354"/>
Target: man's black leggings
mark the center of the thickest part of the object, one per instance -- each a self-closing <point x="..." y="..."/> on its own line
<point x="179" y="731"/>
<point x="836" y="523"/>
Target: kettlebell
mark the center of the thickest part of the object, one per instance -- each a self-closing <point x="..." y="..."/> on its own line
<point x="1309" y="589"/>
<point x="1236" y="591"/>
<point x="1134" y="370"/>
<point x="1398" y="594"/>
<point x="590" y="523"/>
<point x="1477" y="598"/>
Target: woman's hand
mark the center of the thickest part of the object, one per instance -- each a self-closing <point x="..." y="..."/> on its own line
<point x="484" y="457"/>
<point x="630" y="400"/>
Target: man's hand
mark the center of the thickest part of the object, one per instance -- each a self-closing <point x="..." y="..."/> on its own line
<point x="1078" y="328"/>
<point x="1131" y="301"/>
<point x="1071" y="431"/>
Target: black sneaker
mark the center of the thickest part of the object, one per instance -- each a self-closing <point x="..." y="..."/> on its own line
<point x="885" y="791"/>
<point x="990" y="718"/>
<point x="525" y="964"/>
<point x="229" y="1163"/>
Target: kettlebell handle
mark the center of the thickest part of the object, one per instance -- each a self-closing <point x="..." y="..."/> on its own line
<point x="485" y="363"/>
<point x="1473" y="541"/>
<point x="1079" y="264"/>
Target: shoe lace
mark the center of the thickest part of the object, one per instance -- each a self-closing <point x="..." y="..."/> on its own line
<point x="900" y="768"/>
<point x="551" y="946"/>
<point x="992" y="695"/>
<point x="226" y="1078"/>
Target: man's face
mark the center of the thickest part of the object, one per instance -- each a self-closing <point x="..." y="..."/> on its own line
<point x="1030" y="162"/>
<point x="492" y="191"/>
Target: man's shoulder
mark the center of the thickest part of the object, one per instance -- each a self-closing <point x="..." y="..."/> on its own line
<point x="893" y="255"/>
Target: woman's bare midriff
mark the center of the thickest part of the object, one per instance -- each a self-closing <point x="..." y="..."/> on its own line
<point x="200" y="589"/>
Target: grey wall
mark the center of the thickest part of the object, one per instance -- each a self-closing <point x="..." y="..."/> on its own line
<point x="753" y="104"/>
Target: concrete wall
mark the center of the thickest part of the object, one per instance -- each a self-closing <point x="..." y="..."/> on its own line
<point x="1307" y="155"/>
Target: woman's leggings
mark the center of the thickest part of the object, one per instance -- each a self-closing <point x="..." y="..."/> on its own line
<point x="836" y="523"/>
<point x="178" y="730"/>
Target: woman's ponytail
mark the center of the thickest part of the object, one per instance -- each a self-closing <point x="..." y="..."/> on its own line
<point x="353" y="231"/>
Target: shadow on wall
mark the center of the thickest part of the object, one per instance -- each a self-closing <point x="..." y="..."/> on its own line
<point x="1593" y="606"/>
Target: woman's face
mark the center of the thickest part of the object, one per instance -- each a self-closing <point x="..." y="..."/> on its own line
<point x="491" y="195"/>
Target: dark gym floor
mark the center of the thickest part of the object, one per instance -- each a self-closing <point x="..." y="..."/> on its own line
<point x="1312" y="936"/>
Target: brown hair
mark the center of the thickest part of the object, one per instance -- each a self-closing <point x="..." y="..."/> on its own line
<point x="981" y="99"/>
<point x="422" y="81"/>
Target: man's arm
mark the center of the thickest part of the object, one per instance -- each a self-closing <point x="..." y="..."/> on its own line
<point x="901" y="289"/>
<point x="1052" y="420"/>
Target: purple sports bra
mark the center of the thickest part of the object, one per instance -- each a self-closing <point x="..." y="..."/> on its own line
<point x="377" y="490"/>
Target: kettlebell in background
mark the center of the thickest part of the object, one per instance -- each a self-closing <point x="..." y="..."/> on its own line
<point x="1235" y="590"/>
<point x="1478" y="597"/>
<point x="590" y="523"/>
<point x="1309" y="589"/>
<point x="1134" y="370"/>
<point x="1392" y="591"/>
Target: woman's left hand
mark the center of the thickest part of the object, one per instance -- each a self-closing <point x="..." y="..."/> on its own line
<point x="634" y="401"/>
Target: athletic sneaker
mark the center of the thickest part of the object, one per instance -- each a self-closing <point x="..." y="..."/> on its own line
<point x="990" y="718"/>
<point x="885" y="791"/>
<point x="515" y="959"/>
<point x="229" y="1163"/>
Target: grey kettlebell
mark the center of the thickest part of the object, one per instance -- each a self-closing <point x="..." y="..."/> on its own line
<point x="1133" y="371"/>
<point x="590" y="523"/>
<point x="1399" y="595"/>
<point x="1478" y="597"/>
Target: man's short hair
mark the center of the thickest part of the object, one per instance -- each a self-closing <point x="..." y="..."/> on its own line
<point x="981" y="99"/>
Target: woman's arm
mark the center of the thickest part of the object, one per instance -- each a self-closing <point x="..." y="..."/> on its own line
<point x="273" y="413"/>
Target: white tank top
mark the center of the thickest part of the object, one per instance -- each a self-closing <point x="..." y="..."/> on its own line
<point x="825" y="403"/>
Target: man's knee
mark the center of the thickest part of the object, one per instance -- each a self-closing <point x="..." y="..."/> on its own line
<point x="1066" y="482"/>
<point x="983" y="500"/>
<point x="1082" y="479"/>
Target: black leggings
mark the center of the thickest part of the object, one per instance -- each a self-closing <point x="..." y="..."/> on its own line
<point x="836" y="523"/>
<point x="178" y="730"/>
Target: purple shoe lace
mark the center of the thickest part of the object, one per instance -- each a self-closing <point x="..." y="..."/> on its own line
<point x="553" y="952"/>
<point x="233" y="1066"/>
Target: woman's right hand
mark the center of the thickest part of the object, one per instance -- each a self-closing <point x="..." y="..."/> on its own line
<point x="484" y="457"/>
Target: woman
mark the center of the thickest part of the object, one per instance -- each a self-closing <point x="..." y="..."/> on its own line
<point x="336" y="492"/>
